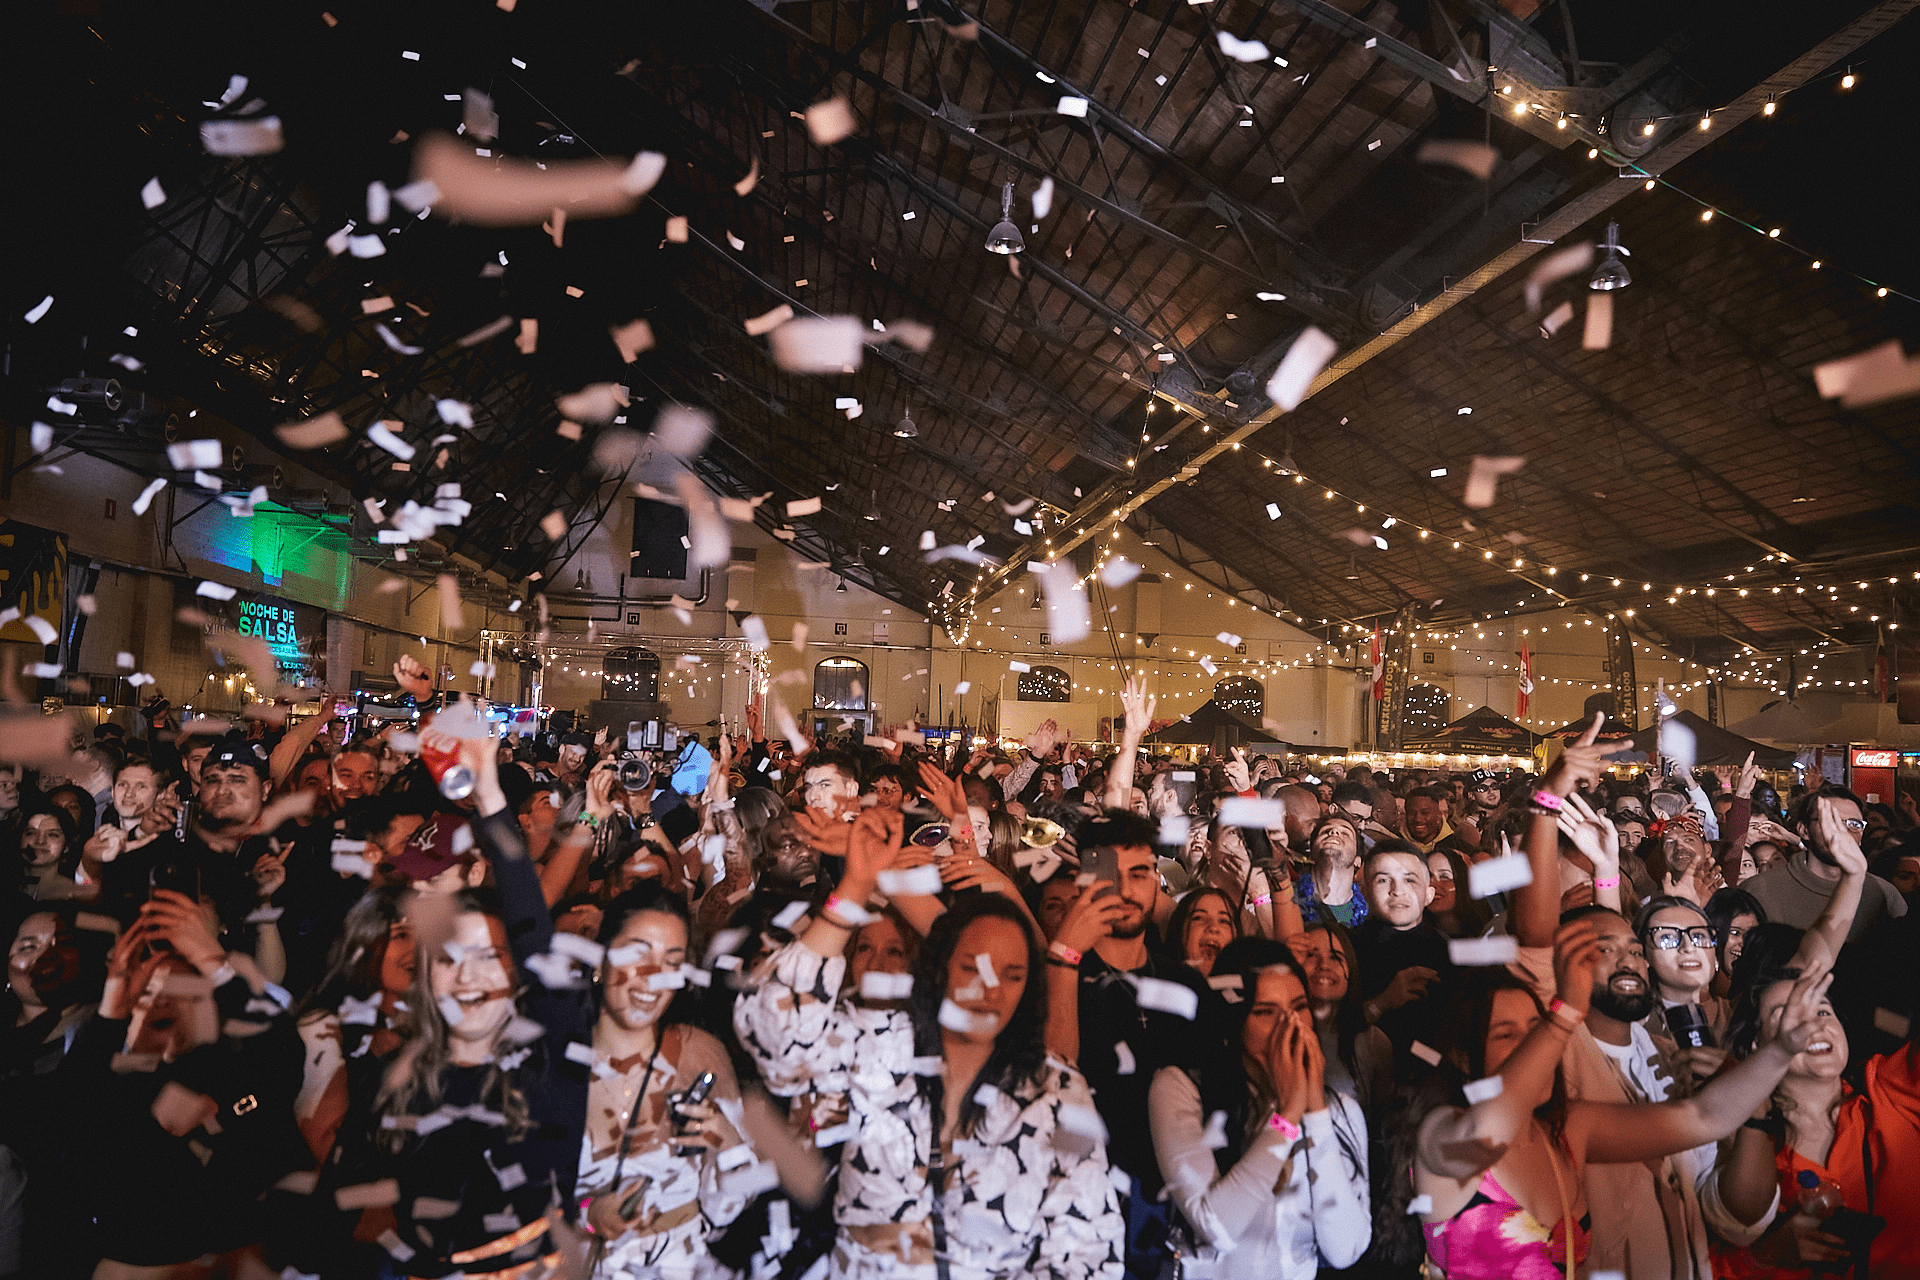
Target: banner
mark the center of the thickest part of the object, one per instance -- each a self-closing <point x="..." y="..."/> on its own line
<point x="297" y="633"/>
<point x="33" y="579"/>
<point x="1526" y="683"/>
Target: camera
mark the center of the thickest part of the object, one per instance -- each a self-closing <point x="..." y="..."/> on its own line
<point x="635" y="772"/>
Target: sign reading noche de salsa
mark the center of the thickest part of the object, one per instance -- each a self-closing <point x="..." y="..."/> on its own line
<point x="297" y="633"/>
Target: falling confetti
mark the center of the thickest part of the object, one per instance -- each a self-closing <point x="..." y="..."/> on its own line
<point x="1299" y="367"/>
<point x="1484" y="478"/>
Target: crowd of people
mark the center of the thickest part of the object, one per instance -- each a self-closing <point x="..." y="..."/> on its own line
<point x="427" y="1002"/>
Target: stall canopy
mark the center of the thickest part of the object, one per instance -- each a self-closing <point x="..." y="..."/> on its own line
<point x="1611" y="732"/>
<point x="1482" y="731"/>
<point x="1791" y="720"/>
<point x="1211" y="725"/>
<point x="1714" y="745"/>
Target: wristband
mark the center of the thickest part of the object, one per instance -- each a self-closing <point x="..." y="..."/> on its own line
<point x="1066" y="953"/>
<point x="1285" y="1127"/>
<point x="1565" y="1014"/>
<point x="1264" y="899"/>
<point x="1547" y="800"/>
<point x="1611" y="882"/>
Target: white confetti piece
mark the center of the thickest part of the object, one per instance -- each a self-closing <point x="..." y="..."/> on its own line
<point x="666" y="980"/>
<point x="983" y="963"/>
<point x="1484" y="478"/>
<point x="886" y="986"/>
<point x="1243" y="50"/>
<point x="1499" y="875"/>
<point x="819" y="344"/>
<point x="959" y="1020"/>
<point x="1874" y="376"/>
<point x="241" y="137"/>
<point x="1043" y="200"/>
<point x="382" y="434"/>
<point x="1556" y="318"/>
<point x="751" y="1180"/>
<point x="768" y="321"/>
<point x="585" y="950"/>
<point x="963" y="687"/>
<point x="1167" y="997"/>
<point x="1215" y="1135"/>
<point x="1299" y="367"/>
<point x="368" y="1195"/>
<point x="1476" y="158"/>
<point x="1420" y="1204"/>
<point x="188" y="455"/>
<point x="1072" y="106"/>
<point x="830" y="121"/>
<point x="214" y="590"/>
<point x="1479" y="1091"/>
<point x="921" y="881"/>
<point x="1247" y="811"/>
<point x="632" y="339"/>
<point x="789" y="914"/>
<point x="313" y="433"/>
<point x="153" y="195"/>
<point x="1069" y="615"/>
<point x="1124" y="1053"/>
<point x="1483" y="952"/>
<point x="352" y="864"/>
<point x="1175" y="828"/>
<point x="1557" y="265"/>
<point x="1426" y="1053"/>
<point x="39" y="312"/>
<point x="802" y="507"/>
<point x="832" y="1136"/>
<point x="1677" y="743"/>
<point x="1894" y="1024"/>
<point x="1598" y="332"/>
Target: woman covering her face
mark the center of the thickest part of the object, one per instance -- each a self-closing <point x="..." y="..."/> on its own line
<point x="962" y="1124"/>
<point x="1273" y="1204"/>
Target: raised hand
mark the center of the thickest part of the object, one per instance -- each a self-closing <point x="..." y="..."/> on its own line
<point x="1840" y="842"/>
<point x="1749" y="776"/>
<point x="947" y="795"/>
<point x="1139" y="707"/>
<point x="173" y="917"/>
<point x="1043" y="739"/>
<point x="1593" y="833"/>
<point x="1091" y="917"/>
<point x="1236" y="771"/>
<point x="1795" y="1023"/>
<point x="825" y="833"/>
<point x="1576" y="951"/>
<point x="413" y="678"/>
<point x="873" y="844"/>
<point x="269" y="873"/>
<point x="1582" y="762"/>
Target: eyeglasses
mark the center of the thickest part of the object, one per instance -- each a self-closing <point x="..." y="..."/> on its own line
<point x="1854" y="824"/>
<point x="1667" y="937"/>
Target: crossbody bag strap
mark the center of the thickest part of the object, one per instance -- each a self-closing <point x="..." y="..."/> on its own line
<point x="937" y="1185"/>
<point x="1566" y="1204"/>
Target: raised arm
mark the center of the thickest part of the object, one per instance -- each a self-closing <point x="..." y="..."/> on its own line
<point x="1536" y="909"/>
<point x="294" y="745"/>
<point x="1821" y="943"/>
<point x="1619" y="1134"/>
<point x="1138" y="706"/>
<point x="1593" y="833"/>
<point x="1458" y="1145"/>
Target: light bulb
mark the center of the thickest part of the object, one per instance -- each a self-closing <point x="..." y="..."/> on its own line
<point x="1646" y="131"/>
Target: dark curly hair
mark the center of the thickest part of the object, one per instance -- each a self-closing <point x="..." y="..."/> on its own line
<point x="1019" y="1050"/>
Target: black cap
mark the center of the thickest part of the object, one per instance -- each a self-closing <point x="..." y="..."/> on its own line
<point x="236" y="753"/>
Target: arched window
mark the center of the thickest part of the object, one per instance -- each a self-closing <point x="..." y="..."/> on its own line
<point x="630" y="675"/>
<point x="1045" y="684"/>
<point x="1242" y="695"/>
<point x="840" y="684"/>
<point x="1426" y="709"/>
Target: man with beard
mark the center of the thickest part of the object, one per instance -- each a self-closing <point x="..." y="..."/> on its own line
<point x="1795" y="890"/>
<point x="1327" y="889"/>
<point x="1126" y="1034"/>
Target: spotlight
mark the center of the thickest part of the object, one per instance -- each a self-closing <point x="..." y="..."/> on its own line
<point x="1612" y="273"/>
<point x="905" y="428"/>
<point x="1005" y="237"/>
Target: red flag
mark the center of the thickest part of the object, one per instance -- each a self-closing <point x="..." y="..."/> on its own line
<point x="1526" y="683"/>
<point x="1379" y="665"/>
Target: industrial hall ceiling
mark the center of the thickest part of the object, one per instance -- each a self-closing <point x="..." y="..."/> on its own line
<point x="1186" y="189"/>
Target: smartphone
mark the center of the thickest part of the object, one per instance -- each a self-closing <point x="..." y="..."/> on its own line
<point x="698" y="1092"/>
<point x="1104" y="864"/>
<point x="181" y="877"/>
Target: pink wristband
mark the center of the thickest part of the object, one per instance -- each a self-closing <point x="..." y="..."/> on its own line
<point x="1287" y="1128"/>
<point x="1548" y="800"/>
<point x="1611" y="882"/>
<point x="1065" y="952"/>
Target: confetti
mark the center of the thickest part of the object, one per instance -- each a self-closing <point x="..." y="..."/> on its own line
<point x="368" y="1195"/>
<point x="188" y="455"/>
<point x="1243" y="50"/>
<point x="830" y="121"/>
<point x="819" y="344"/>
<point x="963" y="1022"/>
<point x="1420" y="1204"/>
<point x="1127" y="1066"/>
<point x="1483" y="1090"/>
<point x="1301" y="365"/>
<point x="1499" y="875"/>
<point x="213" y="590"/>
<point x="1598" y="333"/>
<point x="677" y="230"/>
<point x="1556" y="266"/>
<point x="802" y="507"/>
<point x="1043" y="199"/>
<point x="595" y="402"/>
<point x="507" y="193"/>
<point x="241" y="137"/>
<point x="381" y="433"/>
<point x="1476" y="158"/>
<point x="1215" y="1135"/>
<point x="39" y="312"/>
<point x="1166" y="997"/>
<point x="1555" y="319"/>
<point x="920" y="881"/>
<point x="1484" y="478"/>
<point x="1483" y="952"/>
<point x="769" y="321"/>
<point x="1894" y="1024"/>
<point x="553" y="524"/>
<point x="1245" y="811"/>
<point x="886" y="986"/>
<point x="799" y="640"/>
<point x="153" y="195"/>
<point x="1426" y="1053"/>
<point x="1175" y="828"/>
<point x="1875" y="376"/>
<point x="1072" y="106"/>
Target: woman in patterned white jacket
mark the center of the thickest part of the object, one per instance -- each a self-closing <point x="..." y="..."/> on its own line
<point x="967" y="1141"/>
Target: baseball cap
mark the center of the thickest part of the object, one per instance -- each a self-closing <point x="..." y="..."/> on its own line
<point x="440" y="842"/>
<point x="237" y="753"/>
